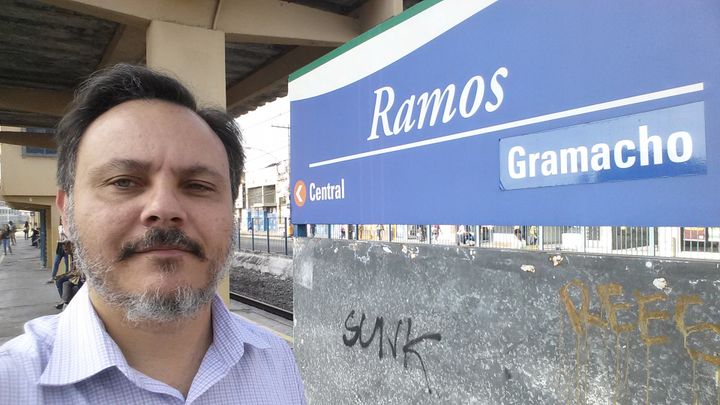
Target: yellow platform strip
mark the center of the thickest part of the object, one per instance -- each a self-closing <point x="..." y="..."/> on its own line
<point x="287" y="338"/>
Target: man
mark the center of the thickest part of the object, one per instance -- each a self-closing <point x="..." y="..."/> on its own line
<point x="518" y="241"/>
<point x="5" y="236"/>
<point x="147" y="184"/>
<point x="68" y="283"/>
<point x="13" y="229"/>
<point x="59" y="254"/>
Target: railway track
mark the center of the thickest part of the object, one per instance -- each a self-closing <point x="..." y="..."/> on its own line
<point x="262" y="305"/>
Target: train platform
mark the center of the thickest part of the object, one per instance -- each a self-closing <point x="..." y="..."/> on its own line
<point x="24" y="292"/>
<point x="25" y="295"/>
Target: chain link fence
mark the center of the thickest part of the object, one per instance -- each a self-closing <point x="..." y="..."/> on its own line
<point x="684" y="242"/>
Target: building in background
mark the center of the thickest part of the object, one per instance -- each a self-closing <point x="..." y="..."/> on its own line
<point x="18" y="217"/>
<point x="265" y="199"/>
<point x="27" y="183"/>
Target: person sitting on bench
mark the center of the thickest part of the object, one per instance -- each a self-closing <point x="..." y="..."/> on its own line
<point x="68" y="283"/>
<point x="35" y="236"/>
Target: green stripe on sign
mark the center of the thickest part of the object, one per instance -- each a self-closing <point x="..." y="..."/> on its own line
<point x="373" y="32"/>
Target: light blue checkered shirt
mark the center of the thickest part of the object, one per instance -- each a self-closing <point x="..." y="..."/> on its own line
<point x="70" y="359"/>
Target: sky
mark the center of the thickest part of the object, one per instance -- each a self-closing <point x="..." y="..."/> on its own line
<point x="264" y="143"/>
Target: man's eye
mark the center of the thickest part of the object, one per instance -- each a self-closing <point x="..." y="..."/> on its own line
<point x="123" y="183"/>
<point x="199" y="187"/>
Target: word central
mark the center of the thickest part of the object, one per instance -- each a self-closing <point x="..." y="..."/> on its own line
<point x="328" y="192"/>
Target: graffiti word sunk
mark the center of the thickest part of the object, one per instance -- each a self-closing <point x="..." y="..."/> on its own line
<point x="355" y="335"/>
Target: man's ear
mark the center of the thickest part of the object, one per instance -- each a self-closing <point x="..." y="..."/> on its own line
<point x="60" y="200"/>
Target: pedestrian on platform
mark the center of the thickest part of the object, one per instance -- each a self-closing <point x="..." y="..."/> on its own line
<point x="518" y="242"/>
<point x="422" y="231"/>
<point x="461" y="235"/>
<point x="13" y="230"/>
<point x="60" y="254"/>
<point x="5" y="235"/>
<point x="436" y="232"/>
<point x="26" y="229"/>
<point x="140" y="166"/>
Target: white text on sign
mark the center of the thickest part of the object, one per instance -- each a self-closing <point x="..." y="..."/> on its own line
<point x="327" y="192"/>
<point x="679" y="149"/>
<point x="470" y="101"/>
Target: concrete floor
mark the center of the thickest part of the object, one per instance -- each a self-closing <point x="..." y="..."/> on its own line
<point x="25" y="295"/>
<point x="274" y="323"/>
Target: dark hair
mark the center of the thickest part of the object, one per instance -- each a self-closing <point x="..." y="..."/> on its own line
<point x="108" y="88"/>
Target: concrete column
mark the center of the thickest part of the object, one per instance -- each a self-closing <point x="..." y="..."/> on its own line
<point x="195" y="56"/>
<point x="606" y="239"/>
<point x="669" y="241"/>
<point x="52" y="218"/>
<point x="375" y="12"/>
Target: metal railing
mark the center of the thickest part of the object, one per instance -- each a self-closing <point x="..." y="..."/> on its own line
<point x="685" y="242"/>
<point x="268" y="240"/>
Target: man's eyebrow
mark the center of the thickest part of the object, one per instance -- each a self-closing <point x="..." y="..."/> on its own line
<point x="124" y="165"/>
<point x="201" y="170"/>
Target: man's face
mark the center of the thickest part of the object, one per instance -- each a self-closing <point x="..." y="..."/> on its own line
<point x="151" y="207"/>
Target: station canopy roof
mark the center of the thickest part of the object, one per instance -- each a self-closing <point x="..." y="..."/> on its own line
<point x="48" y="47"/>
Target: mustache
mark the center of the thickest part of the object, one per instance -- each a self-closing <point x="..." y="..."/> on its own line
<point x="154" y="238"/>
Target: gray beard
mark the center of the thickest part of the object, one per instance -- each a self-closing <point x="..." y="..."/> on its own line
<point x="151" y="305"/>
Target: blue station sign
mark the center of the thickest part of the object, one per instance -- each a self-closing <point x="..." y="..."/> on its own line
<point x="541" y="112"/>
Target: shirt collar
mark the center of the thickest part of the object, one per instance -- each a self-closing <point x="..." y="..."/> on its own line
<point x="83" y="348"/>
<point x="230" y="334"/>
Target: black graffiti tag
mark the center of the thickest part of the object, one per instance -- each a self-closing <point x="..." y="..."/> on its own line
<point x="409" y="348"/>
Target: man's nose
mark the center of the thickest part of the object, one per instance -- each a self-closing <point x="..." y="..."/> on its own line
<point x="163" y="208"/>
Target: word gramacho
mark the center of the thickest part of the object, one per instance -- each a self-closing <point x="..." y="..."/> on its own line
<point x="653" y="151"/>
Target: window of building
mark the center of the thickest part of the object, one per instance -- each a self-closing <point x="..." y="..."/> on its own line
<point x="700" y="239"/>
<point x="254" y="196"/>
<point x="269" y="195"/>
<point x="38" y="152"/>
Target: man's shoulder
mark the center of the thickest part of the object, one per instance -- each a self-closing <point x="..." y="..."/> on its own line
<point x="271" y="359"/>
<point x="34" y="345"/>
<point x="23" y="358"/>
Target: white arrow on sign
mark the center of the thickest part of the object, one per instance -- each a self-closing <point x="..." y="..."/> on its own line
<point x="298" y="194"/>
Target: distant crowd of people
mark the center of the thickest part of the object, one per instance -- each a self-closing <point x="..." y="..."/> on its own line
<point x="7" y="235"/>
<point x="67" y="282"/>
<point x="8" y="231"/>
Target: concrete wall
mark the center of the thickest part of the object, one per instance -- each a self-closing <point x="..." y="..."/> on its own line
<point x="28" y="182"/>
<point x="26" y="175"/>
<point x="393" y="323"/>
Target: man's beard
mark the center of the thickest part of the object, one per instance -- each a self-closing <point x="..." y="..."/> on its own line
<point x="152" y="304"/>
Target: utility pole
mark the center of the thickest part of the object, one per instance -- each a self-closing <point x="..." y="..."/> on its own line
<point x="289" y="192"/>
